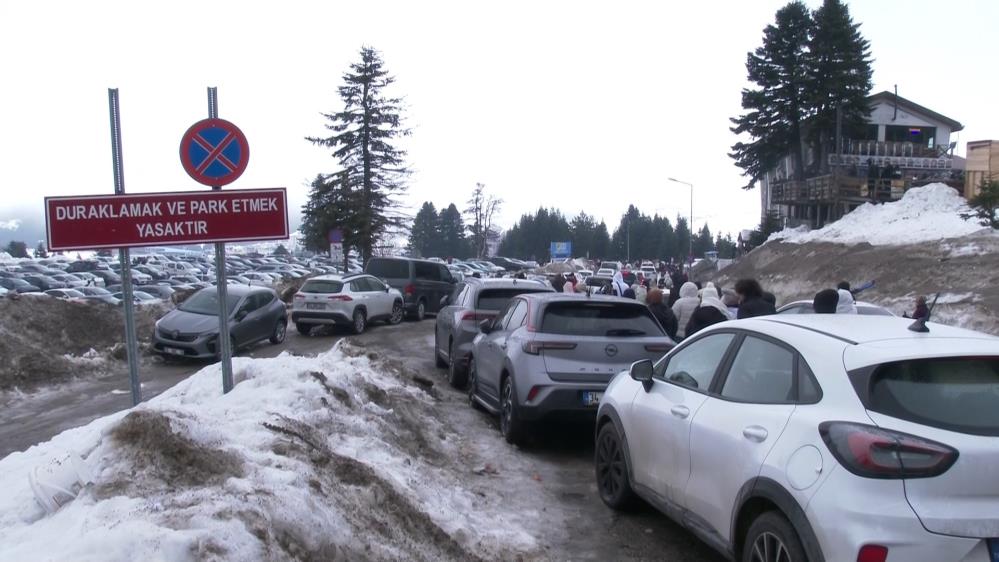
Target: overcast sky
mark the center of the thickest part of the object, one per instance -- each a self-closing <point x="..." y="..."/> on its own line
<point x="585" y="106"/>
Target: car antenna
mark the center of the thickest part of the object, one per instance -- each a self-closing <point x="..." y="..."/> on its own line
<point x="920" y="324"/>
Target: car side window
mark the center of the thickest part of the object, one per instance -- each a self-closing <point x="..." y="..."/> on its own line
<point x="444" y="274"/>
<point x="458" y="295"/>
<point x="503" y="319"/>
<point x="695" y="365"/>
<point x="518" y="317"/>
<point x="762" y="373"/>
<point x="265" y="299"/>
<point x="427" y="271"/>
<point x="374" y="284"/>
<point x="356" y="286"/>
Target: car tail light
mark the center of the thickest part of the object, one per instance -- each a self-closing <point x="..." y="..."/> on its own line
<point x="299" y="296"/>
<point x="344" y="298"/>
<point x="872" y="553"/>
<point x="658" y="347"/>
<point x="872" y="452"/>
<point x="409" y="289"/>
<point x="535" y="347"/>
<point x="475" y="317"/>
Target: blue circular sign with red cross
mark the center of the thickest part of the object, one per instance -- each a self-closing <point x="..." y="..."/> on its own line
<point x="214" y="152"/>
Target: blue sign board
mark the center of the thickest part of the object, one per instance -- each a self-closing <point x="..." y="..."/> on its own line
<point x="561" y="250"/>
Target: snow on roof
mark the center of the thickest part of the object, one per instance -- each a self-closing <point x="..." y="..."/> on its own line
<point x="334" y="455"/>
<point x="924" y="214"/>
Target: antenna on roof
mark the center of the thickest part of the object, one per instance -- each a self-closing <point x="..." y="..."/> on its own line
<point x="920" y="324"/>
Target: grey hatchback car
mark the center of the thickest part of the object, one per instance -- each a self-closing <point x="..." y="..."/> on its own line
<point x="553" y="354"/>
<point x="192" y="329"/>
<point x="472" y="301"/>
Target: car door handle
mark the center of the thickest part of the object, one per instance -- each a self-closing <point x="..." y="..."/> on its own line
<point x="755" y="433"/>
<point x="680" y="411"/>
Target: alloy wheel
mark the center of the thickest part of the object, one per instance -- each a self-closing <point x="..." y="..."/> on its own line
<point x="610" y="466"/>
<point x="769" y="548"/>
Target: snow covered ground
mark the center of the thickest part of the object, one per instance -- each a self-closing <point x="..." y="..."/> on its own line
<point x="924" y="214"/>
<point x="334" y="457"/>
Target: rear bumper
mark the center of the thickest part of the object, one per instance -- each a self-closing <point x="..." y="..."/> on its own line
<point x="869" y="511"/>
<point x="317" y="317"/>
<point x="562" y="401"/>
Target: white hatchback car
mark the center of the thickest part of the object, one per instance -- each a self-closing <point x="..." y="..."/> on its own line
<point x="348" y="300"/>
<point x="814" y="437"/>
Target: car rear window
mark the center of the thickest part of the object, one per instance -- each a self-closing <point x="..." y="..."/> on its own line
<point x="956" y="394"/>
<point x="322" y="286"/>
<point x="496" y="299"/>
<point x="388" y="269"/>
<point x="589" y="318"/>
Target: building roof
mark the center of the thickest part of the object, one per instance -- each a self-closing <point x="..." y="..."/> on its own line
<point x="890" y="97"/>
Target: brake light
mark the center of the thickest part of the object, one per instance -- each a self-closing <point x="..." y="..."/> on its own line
<point x="409" y="289"/>
<point x="474" y="317"/>
<point x="344" y="298"/>
<point x="872" y="553"/>
<point x="658" y="347"/>
<point x="536" y="347"/>
<point x="299" y="296"/>
<point x="872" y="452"/>
<point x="533" y="393"/>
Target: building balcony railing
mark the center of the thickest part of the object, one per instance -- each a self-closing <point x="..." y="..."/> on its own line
<point x="832" y="187"/>
<point x="905" y="155"/>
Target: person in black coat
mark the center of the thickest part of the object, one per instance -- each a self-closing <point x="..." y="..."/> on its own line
<point x="751" y="301"/>
<point x="711" y="311"/>
<point x="663" y="313"/>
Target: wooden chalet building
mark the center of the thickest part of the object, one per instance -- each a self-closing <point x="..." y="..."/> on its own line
<point x="905" y="145"/>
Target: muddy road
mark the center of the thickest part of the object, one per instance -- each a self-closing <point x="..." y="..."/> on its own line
<point x="554" y="475"/>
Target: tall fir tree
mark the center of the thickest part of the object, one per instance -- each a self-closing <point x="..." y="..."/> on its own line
<point x="425" y="235"/>
<point x="985" y="204"/>
<point x="778" y="105"/>
<point x="703" y="242"/>
<point x="17" y="249"/>
<point x="329" y="207"/>
<point x="839" y="75"/>
<point x="682" y="240"/>
<point x="373" y="170"/>
<point x="453" y="242"/>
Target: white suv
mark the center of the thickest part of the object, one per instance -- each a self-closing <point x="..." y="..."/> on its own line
<point x="349" y="300"/>
<point x="814" y="437"/>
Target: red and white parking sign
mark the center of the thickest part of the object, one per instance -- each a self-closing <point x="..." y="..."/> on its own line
<point x="161" y="219"/>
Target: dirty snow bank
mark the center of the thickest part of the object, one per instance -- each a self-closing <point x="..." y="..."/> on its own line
<point x="332" y="457"/>
<point x="924" y="214"/>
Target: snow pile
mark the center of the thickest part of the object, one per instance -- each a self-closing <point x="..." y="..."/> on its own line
<point x="924" y="214"/>
<point x="333" y="457"/>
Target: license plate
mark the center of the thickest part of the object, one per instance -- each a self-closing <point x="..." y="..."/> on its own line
<point x="173" y="350"/>
<point x="592" y="398"/>
<point x="994" y="550"/>
<point x="315" y="305"/>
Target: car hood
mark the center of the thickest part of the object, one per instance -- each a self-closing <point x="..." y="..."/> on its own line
<point x="188" y="322"/>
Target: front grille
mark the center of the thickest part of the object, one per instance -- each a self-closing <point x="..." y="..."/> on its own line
<point x="177" y="336"/>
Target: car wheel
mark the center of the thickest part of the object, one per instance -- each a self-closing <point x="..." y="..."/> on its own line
<point x="771" y="538"/>
<point x="397" y="313"/>
<point x="421" y="311"/>
<point x="438" y="362"/>
<point x="280" y="331"/>
<point x="454" y="374"/>
<point x="304" y="329"/>
<point x="510" y="424"/>
<point x="611" y="467"/>
<point x="360" y="322"/>
<point x="473" y="384"/>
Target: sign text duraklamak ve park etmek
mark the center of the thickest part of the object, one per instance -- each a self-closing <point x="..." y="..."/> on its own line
<point x="160" y="219"/>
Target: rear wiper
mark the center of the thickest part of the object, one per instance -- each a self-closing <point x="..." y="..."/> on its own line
<point x="625" y="332"/>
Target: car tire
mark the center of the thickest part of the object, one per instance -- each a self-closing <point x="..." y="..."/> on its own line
<point x="473" y="385"/>
<point x="438" y="361"/>
<point x="421" y="311"/>
<point x="770" y="535"/>
<point x="360" y="321"/>
<point x="511" y="426"/>
<point x="610" y="463"/>
<point x="455" y="376"/>
<point x="397" y="313"/>
<point x="303" y="328"/>
<point x="279" y="333"/>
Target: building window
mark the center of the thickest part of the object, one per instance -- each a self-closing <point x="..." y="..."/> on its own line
<point x="918" y="136"/>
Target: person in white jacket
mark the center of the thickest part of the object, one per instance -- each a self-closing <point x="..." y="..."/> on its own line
<point x="684" y="307"/>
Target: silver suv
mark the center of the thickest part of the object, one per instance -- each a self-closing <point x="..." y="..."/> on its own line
<point x="472" y="301"/>
<point x="554" y="353"/>
<point x="347" y="300"/>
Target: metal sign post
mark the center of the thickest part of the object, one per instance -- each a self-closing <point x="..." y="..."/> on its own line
<point x="124" y="258"/>
<point x="224" y="343"/>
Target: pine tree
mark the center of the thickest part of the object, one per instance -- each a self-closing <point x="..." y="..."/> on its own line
<point x="601" y="241"/>
<point x="40" y="252"/>
<point x="582" y="229"/>
<point x="703" y="242"/>
<point x="372" y="169"/>
<point x="452" y="234"/>
<point x="281" y="251"/>
<point x="329" y="207"/>
<point x="17" y="249"/>
<point x="682" y="240"/>
<point x="839" y="75"/>
<point x="779" y="104"/>
<point x="425" y="236"/>
<point x="985" y="205"/>
<point x="726" y="246"/>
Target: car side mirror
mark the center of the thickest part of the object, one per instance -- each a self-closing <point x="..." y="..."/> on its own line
<point x="386" y="288"/>
<point x="486" y="326"/>
<point x="641" y="371"/>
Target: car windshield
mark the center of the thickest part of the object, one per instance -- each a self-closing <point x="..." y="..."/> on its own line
<point x="322" y="286"/>
<point x="206" y="301"/>
<point x="957" y="394"/>
<point x="497" y="299"/>
<point x="593" y="318"/>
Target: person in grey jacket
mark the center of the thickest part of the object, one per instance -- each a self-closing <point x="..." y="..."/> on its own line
<point x="684" y="307"/>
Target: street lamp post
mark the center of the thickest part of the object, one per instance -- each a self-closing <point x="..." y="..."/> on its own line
<point x="690" y="227"/>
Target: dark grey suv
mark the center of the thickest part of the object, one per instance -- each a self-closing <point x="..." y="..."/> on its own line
<point x="423" y="283"/>
<point x="472" y="301"/>
<point x="191" y="330"/>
